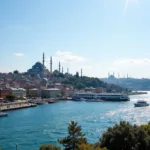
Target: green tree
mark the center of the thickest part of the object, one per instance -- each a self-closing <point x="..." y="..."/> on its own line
<point x="16" y="72"/>
<point x="49" y="147"/>
<point x="11" y="97"/>
<point x="124" y="136"/>
<point x="77" y="74"/>
<point x="75" y="137"/>
<point x="80" y="85"/>
<point x="89" y="147"/>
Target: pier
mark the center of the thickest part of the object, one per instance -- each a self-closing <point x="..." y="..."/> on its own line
<point x="15" y="105"/>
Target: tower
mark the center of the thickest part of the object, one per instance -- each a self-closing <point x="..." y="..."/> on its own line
<point x="62" y="70"/>
<point x="51" y="63"/>
<point x="43" y="60"/>
<point x="68" y="70"/>
<point x="81" y="72"/>
<point x="59" y="67"/>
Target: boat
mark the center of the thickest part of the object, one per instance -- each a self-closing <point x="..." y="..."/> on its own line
<point x="41" y="103"/>
<point x="141" y="103"/>
<point x="100" y="96"/>
<point x="2" y="114"/>
<point x="94" y="100"/>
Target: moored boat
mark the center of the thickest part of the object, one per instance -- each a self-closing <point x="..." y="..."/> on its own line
<point x="2" y="114"/>
<point x="141" y="103"/>
<point x="100" y="96"/>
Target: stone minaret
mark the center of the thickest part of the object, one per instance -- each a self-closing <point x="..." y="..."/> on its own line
<point x="43" y="60"/>
<point x="59" y="67"/>
<point x="51" y="65"/>
<point x="68" y="70"/>
<point x="62" y="70"/>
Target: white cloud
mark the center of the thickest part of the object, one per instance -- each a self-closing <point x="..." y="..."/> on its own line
<point x="132" y="61"/>
<point x="18" y="54"/>
<point x="65" y="56"/>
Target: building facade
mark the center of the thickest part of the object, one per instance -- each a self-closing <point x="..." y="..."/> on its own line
<point x="50" y="93"/>
<point x="18" y="92"/>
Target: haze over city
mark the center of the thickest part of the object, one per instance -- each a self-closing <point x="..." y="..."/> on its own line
<point x="99" y="36"/>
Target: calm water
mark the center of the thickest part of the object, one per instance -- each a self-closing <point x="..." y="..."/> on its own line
<point x="31" y="127"/>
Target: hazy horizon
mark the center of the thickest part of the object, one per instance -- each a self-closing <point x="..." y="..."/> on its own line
<point x="98" y="36"/>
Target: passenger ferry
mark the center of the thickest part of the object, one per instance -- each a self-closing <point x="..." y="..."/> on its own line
<point x="101" y="96"/>
<point x="141" y="103"/>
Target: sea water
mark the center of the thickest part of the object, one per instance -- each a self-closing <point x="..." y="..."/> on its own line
<point x="45" y="124"/>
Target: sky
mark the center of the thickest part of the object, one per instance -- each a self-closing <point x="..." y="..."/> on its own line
<point x="99" y="36"/>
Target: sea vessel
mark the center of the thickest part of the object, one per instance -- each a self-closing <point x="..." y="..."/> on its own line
<point x="2" y="114"/>
<point x="94" y="100"/>
<point x="141" y="103"/>
<point x="101" y="96"/>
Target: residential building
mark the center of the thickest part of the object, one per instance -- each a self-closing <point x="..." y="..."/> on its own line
<point x="50" y="93"/>
<point x="4" y="93"/>
<point x="18" y="92"/>
<point x="35" y="92"/>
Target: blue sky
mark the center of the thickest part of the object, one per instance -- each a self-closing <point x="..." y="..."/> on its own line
<point x="99" y="36"/>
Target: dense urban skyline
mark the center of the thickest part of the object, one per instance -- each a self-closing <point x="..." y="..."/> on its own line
<point x="99" y="36"/>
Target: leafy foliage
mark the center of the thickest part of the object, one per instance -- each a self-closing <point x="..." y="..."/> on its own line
<point x="11" y="97"/>
<point x="125" y="136"/>
<point x="16" y="72"/>
<point x="75" y="137"/>
<point x="89" y="147"/>
<point x="49" y="147"/>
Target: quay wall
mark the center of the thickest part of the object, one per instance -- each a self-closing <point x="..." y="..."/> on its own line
<point x="13" y="106"/>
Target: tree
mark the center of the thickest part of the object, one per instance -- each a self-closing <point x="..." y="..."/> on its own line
<point x="80" y="85"/>
<point x="77" y="74"/>
<point x="89" y="147"/>
<point x="11" y="97"/>
<point x="75" y="137"/>
<point x="16" y="72"/>
<point x="124" y="136"/>
<point x="49" y="147"/>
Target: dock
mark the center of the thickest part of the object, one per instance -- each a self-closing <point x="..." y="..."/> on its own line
<point x="15" y="105"/>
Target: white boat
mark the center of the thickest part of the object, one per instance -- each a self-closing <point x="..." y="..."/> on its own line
<point x="2" y="114"/>
<point x="141" y="103"/>
<point x="101" y="96"/>
<point x="94" y="100"/>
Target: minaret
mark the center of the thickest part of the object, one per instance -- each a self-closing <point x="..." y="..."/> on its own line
<point x="108" y="74"/>
<point x="59" y="67"/>
<point x="43" y="60"/>
<point x="68" y="70"/>
<point x="62" y="70"/>
<point x="81" y="72"/>
<point x="51" y="63"/>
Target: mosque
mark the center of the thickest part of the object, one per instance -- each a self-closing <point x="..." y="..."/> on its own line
<point x="40" y="69"/>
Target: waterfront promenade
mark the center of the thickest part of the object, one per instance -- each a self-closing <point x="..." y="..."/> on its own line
<point x="15" y="105"/>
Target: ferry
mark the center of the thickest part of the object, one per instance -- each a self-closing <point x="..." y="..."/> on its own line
<point x="141" y="103"/>
<point x="100" y="96"/>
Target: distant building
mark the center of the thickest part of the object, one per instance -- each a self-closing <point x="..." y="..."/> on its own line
<point x="18" y="92"/>
<point x="59" y="86"/>
<point x="90" y="89"/>
<point x="4" y="93"/>
<point x="38" y="68"/>
<point x="69" y="92"/>
<point x="35" y="92"/>
<point x="50" y="93"/>
<point x="100" y="90"/>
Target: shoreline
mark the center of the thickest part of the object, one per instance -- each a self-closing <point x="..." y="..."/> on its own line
<point x="15" y="106"/>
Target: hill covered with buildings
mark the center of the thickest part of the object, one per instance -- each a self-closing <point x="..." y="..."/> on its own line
<point x="38" y="81"/>
<point x="128" y="82"/>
